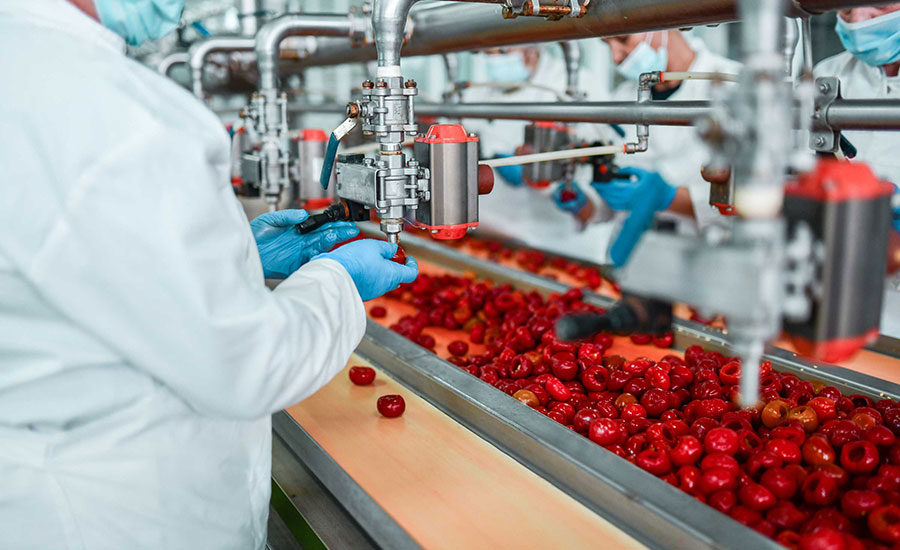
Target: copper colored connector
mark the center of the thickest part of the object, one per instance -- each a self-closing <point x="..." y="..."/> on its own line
<point x="352" y="110"/>
<point x="381" y="84"/>
<point x="368" y="84"/>
<point x="410" y="83"/>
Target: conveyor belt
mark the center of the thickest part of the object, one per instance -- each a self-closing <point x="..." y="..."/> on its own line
<point x="376" y="451"/>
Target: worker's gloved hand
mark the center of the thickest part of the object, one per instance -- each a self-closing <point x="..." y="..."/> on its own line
<point x="368" y="261"/>
<point x="282" y="250"/>
<point x="571" y="200"/>
<point x="644" y="193"/>
<point x="510" y="174"/>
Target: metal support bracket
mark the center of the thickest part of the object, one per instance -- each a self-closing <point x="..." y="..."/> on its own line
<point x="822" y="137"/>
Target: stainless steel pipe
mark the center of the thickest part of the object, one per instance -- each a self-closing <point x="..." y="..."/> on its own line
<point x="864" y="114"/>
<point x="438" y="29"/>
<point x="199" y="50"/>
<point x="844" y="114"/>
<point x="270" y="35"/>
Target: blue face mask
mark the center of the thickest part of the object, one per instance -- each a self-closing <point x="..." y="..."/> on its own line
<point x="140" y="20"/>
<point x="644" y="59"/>
<point x="506" y="67"/>
<point x="875" y="41"/>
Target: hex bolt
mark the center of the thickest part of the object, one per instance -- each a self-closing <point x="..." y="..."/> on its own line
<point x="410" y="83"/>
<point x="381" y="84"/>
<point x="820" y="141"/>
<point x="368" y="84"/>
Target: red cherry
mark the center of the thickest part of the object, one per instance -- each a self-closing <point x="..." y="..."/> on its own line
<point x="655" y="401"/>
<point x="521" y="368"/>
<point x="591" y="353"/>
<point x="362" y="376"/>
<point x="720" y="460"/>
<point x="377" y="312"/>
<point x="632" y="411"/>
<point x="687" y="450"/>
<point x="557" y="389"/>
<point x="784" y="515"/>
<point x="564" y="370"/>
<point x="817" y="450"/>
<point x="779" y="482"/>
<point x="391" y="406"/>
<point x="721" y="440"/>
<point x="658" y="378"/>
<point x="722" y="501"/>
<point x="458" y="348"/>
<point x="788" y="451"/>
<point x="756" y="497"/>
<point x="607" y="431"/>
<point x="641" y="339"/>
<point x="654" y="461"/>
<point x="688" y="477"/>
<point x="880" y="435"/>
<point x="824" y="407"/>
<point x="884" y="523"/>
<point x="730" y="373"/>
<point x="584" y="418"/>
<point x="663" y="340"/>
<point x="595" y="378"/>
<point x="819" y="490"/>
<point x="856" y="504"/>
<point x="399" y="257"/>
<point x="859" y="457"/>
<point x="716" y="479"/>
<point x="823" y="539"/>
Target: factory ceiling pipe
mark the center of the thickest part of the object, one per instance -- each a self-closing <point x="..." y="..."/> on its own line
<point x="270" y="35"/>
<point x="200" y="49"/>
<point x="460" y="26"/>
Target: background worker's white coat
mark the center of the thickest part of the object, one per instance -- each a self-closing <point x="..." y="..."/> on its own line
<point x="522" y="213"/>
<point x="878" y="149"/>
<point x="141" y="354"/>
<point x="677" y="153"/>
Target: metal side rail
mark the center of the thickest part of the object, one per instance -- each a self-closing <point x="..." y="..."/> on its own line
<point x="648" y="509"/>
<point x="350" y="518"/>
<point x="686" y="332"/>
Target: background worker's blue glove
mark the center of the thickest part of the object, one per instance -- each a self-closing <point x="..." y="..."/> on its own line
<point x="895" y="207"/>
<point x="644" y="193"/>
<point x="368" y="261"/>
<point x="511" y="174"/>
<point x="282" y="250"/>
<point x="573" y="205"/>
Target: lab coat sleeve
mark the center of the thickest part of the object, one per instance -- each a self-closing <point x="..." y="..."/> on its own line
<point x="152" y="254"/>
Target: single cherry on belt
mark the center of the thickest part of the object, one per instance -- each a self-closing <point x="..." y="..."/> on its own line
<point x="391" y="406"/>
<point x="362" y="376"/>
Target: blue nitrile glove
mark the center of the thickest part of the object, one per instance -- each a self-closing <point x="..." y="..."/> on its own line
<point x="368" y="261"/>
<point x="573" y="206"/>
<point x="510" y="174"/>
<point x="895" y="207"/>
<point x="282" y="250"/>
<point x="644" y="195"/>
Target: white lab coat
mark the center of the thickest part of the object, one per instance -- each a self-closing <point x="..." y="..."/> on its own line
<point x="677" y="153"/>
<point x="878" y="149"/>
<point x="522" y="213"/>
<point x="140" y="352"/>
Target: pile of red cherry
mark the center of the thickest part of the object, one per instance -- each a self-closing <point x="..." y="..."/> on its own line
<point x="812" y="468"/>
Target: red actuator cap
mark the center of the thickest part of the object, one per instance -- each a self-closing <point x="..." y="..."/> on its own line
<point x="446" y="133"/>
<point x="552" y="125"/>
<point x="836" y="181"/>
<point x="312" y="134"/>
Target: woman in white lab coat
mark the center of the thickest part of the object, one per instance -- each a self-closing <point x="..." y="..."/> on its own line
<point x="141" y="354"/>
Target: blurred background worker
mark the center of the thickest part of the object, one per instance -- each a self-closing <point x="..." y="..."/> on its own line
<point x="142" y="353"/>
<point x="530" y="74"/>
<point x="869" y="69"/>
<point x="667" y="176"/>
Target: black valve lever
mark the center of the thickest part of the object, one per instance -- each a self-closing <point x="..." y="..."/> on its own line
<point x="630" y="314"/>
<point x="342" y="211"/>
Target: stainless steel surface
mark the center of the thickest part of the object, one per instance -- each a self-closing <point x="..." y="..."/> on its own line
<point x="389" y="23"/>
<point x="454" y="183"/>
<point x="441" y="29"/>
<point x="543" y="138"/>
<point x="380" y="529"/>
<point x="169" y="61"/>
<point x="200" y="49"/>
